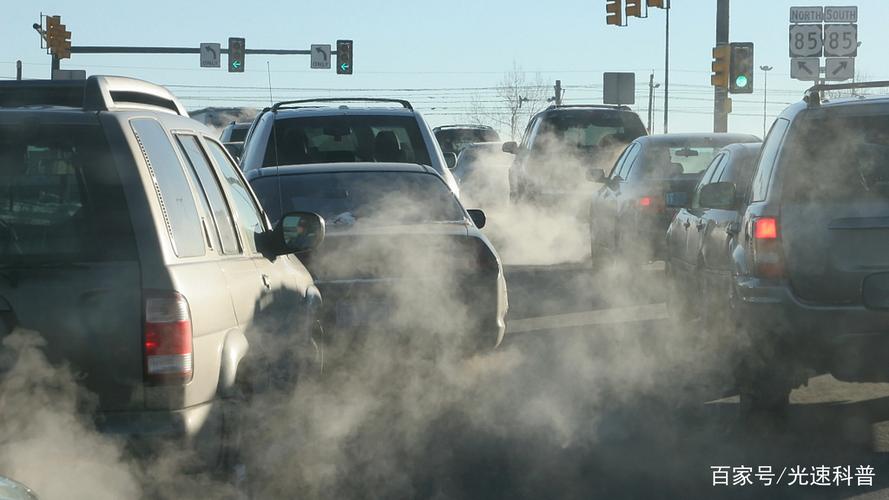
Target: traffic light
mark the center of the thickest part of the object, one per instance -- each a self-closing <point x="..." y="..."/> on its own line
<point x="657" y="3"/>
<point x="741" y="73"/>
<point x="57" y="38"/>
<point x="344" y="57"/>
<point x="634" y="8"/>
<point x="720" y="66"/>
<point x="236" y="50"/>
<point x="614" y="12"/>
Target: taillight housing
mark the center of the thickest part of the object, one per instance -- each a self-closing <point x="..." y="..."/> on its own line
<point x="167" y="338"/>
<point x="768" y="257"/>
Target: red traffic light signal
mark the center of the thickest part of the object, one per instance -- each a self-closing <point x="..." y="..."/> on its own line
<point x="614" y="12"/>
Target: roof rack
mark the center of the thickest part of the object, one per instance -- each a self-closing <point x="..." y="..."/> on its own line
<point x="603" y="106"/>
<point x="284" y="104"/>
<point x="97" y="93"/>
<point x="812" y="96"/>
<point x="471" y="125"/>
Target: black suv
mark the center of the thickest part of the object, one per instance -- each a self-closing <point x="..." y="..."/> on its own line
<point x="811" y="258"/>
<point x="561" y="144"/>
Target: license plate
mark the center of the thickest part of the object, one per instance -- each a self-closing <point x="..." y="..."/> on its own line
<point x="354" y="314"/>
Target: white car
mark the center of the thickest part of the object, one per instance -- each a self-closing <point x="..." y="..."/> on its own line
<point x="312" y="131"/>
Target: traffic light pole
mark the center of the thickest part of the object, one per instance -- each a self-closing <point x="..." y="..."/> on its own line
<point x="667" y="69"/>
<point x="98" y="49"/>
<point x="720" y="94"/>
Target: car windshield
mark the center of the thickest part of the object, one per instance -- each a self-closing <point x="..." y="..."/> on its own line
<point x="60" y="196"/>
<point x="238" y="133"/>
<point x="838" y="158"/>
<point x="374" y="198"/>
<point x="344" y="138"/>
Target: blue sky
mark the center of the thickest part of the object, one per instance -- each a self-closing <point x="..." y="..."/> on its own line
<point x="455" y="51"/>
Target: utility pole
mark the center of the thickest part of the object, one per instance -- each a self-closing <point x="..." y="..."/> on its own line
<point x="651" y="87"/>
<point x="558" y="95"/>
<point x="18" y="69"/>
<point x="765" y="95"/>
<point x="720" y="95"/>
<point x="667" y="69"/>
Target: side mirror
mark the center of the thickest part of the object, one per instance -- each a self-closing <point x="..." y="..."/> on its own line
<point x="510" y="147"/>
<point x="595" y="175"/>
<point x="677" y="199"/>
<point x="719" y="195"/>
<point x="297" y="232"/>
<point x="451" y="159"/>
<point x="478" y="217"/>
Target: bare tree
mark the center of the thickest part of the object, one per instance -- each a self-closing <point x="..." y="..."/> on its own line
<point x="516" y="100"/>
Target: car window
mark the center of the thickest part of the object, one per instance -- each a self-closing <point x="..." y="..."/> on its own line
<point x="724" y="160"/>
<point x="836" y="158"/>
<point x="619" y="162"/>
<point x="665" y="161"/>
<point x="712" y="172"/>
<point x="180" y="212"/>
<point x="767" y="157"/>
<point x="630" y="158"/>
<point x="374" y="198"/>
<point x="209" y="186"/>
<point x="457" y="139"/>
<point x="249" y="215"/>
<point x="60" y="196"/>
<point x="346" y="138"/>
<point x="587" y="130"/>
<point x="740" y="171"/>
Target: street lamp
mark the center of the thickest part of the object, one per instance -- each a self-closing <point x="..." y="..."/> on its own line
<point x="765" y="96"/>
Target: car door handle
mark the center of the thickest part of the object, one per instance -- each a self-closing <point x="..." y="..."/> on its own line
<point x="686" y="224"/>
<point x="266" y="281"/>
<point x="700" y="226"/>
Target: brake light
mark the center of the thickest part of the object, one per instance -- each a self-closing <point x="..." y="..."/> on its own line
<point x="652" y="203"/>
<point x="768" y="257"/>
<point x="167" y="342"/>
<point x="765" y="228"/>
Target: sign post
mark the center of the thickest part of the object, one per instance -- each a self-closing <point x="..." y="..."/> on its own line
<point x="619" y="88"/>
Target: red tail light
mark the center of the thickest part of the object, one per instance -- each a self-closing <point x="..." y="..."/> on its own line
<point x="652" y="204"/>
<point x="765" y="228"/>
<point x="167" y="345"/>
<point x="768" y="257"/>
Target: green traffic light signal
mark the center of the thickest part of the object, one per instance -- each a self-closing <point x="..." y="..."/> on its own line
<point x="741" y="81"/>
<point x="741" y="68"/>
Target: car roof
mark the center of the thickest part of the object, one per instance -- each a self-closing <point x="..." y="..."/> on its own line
<point x="682" y="139"/>
<point x="327" y="168"/>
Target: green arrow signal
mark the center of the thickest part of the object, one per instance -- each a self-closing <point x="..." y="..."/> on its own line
<point x="236" y="64"/>
<point x="344" y="66"/>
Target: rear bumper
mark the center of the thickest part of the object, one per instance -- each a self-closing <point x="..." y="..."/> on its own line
<point x="479" y="314"/>
<point x="850" y="341"/>
<point x="197" y="427"/>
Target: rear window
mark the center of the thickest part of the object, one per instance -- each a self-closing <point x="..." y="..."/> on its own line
<point x="346" y="138"/>
<point x="588" y="130"/>
<point x="837" y="158"/>
<point x="346" y="198"/>
<point x="238" y="134"/>
<point x="662" y="162"/>
<point x="60" y="196"/>
<point x="455" y="140"/>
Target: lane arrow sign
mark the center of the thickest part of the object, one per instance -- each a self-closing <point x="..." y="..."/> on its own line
<point x="321" y="52"/>
<point x="805" y="67"/>
<point x="344" y="67"/>
<point x="842" y="66"/>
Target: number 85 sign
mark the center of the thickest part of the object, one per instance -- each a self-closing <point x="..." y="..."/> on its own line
<point x="806" y="40"/>
<point x="840" y="40"/>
